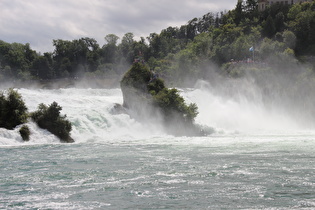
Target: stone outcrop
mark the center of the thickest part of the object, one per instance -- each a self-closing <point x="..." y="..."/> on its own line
<point x="148" y="100"/>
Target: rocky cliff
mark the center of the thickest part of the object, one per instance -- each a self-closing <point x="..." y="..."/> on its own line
<point x="148" y="100"/>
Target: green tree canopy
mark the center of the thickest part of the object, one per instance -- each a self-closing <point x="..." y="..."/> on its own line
<point x="13" y="110"/>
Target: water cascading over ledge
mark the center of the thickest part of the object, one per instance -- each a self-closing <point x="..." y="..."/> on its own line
<point x="148" y="100"/>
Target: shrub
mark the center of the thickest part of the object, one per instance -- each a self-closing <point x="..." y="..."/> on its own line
<point x="173" y="104"/>
<point x="156" y="86"/>
<point x="138" y="77"/>
<point x="25" y="133"/>
<point x="48" y="117"/>
<point x="13" y="110"/>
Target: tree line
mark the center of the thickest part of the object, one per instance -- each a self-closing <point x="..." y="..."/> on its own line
<point x="279" y="32"/>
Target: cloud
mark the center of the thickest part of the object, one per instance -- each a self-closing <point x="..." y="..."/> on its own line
<point x="38" y="22"/>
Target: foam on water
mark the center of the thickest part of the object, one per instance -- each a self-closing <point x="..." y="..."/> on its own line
<point x="38" y="136"/>
<point x="262" y="172"/>
<point x="239" y="114"/>
<point x="118" y="163"/>
<point x="89" y="110"/>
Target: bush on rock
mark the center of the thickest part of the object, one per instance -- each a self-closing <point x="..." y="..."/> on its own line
<point x="25" y="133"/>
<point x="48" y="117"/>
<point x="13" y="111"/>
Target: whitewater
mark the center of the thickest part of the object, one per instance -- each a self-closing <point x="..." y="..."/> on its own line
<point x="257" y="158"/>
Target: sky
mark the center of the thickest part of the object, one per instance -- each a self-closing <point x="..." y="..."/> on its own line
<point x="39" y="22"/>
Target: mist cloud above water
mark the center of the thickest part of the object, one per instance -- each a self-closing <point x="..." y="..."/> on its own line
<point x="38" y="22"/>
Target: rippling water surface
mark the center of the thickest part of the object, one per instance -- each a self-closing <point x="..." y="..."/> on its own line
<point x="118" y="163"/>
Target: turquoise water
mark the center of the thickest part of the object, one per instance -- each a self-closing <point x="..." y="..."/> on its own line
<point x="215" y="172"/>
<point x="254" y="160"/>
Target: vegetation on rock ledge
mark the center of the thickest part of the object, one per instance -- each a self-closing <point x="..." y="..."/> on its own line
<point x="25" y="132"/>
<point x="146" y="95"/>
<point x="13" y="112"/>
<point x="48" y="117"/>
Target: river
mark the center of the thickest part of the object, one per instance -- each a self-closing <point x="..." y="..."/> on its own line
<point x="257" y="158"/>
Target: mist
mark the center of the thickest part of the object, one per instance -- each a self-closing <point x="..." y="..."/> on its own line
<point x="260" y="100"/>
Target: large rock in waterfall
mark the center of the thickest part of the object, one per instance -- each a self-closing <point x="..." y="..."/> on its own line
<point x="148" y="100"/>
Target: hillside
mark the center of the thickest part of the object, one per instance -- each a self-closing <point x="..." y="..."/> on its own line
<point x="280" y="33"/>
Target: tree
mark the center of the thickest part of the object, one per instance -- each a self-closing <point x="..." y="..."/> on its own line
<point x="48" y="117"/>
<point x="25" y="132"/>
<point x="238" y="12"/>
<point x="269" y="28"/>
<point x="206" y="22"/>
<point x="18" y="57"/>
<point x="289" y="39"/>
<point x="302" y="23"/>
<point x="110" y="49"/>
<point x="62" y="55"/>
<point x="141" y="48"/>
<point x="42" y="67"/>
<point x="91" y="54"/>
<point x="126" y="47"/>
<point x="13" y="110"/>
<point x="192" y="28"/>
<point x="173" y="106"/>
<point x="111" y="39"/>
<point x="251" y="8"/>
<point x="279" y="22"/>
<point x="71" y="56"/>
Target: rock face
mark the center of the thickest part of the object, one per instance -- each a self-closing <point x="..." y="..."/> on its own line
<point x="148" y="100"/>
<point x="134" y="86"/>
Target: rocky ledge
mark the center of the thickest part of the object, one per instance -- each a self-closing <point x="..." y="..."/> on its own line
<point x="148" y="100"/>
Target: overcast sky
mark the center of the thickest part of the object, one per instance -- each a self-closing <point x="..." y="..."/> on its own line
<point x="38" y="22"/>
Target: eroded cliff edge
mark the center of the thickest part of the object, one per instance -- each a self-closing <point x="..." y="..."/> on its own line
<point x="148" y="100"/>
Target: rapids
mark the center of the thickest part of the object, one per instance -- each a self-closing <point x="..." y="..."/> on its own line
<point x="90" y="112"/>
<point x="257" y="158"/>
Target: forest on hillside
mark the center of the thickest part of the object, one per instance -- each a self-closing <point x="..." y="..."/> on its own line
<point x="280" y="39"/>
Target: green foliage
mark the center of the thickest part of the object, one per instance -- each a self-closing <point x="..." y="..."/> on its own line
<point x="42" y="67"/>
<point x="156" y="86"/>
<point x="13" y="110"/>
<point x="169" y="101"/>
<point x="289" y="39"/>
<point x="17" y="57"/>
<point x="269" y="47"/>
<point x="238" y="12"/>
<point x="138" y="76"/>
<point x="48" y="117"/>
<point x="173" y="104"/>
<point x="25" y="132"/>
<point x="269" y="28"/>
<point x="178" y="52"/>
<point x="70" y="55"/>
<point x="302" y="23"/>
